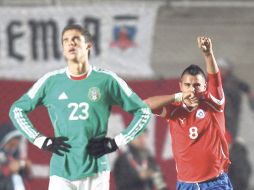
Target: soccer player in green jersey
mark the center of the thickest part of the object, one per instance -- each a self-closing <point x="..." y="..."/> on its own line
<point x="79" y="100"/>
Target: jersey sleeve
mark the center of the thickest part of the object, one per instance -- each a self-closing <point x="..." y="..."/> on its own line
<point x="25" y="104"/>
<point x="122" y="95"/>
<point x="215" y="91"/>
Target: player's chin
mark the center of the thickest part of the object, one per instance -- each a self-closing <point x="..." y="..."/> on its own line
<point x="72" y="58"/>
<point x="199" y="95"/>
<point x="193" y="105"/>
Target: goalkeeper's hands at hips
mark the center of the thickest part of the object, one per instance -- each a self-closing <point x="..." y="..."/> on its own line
<point x="100" y="146"/>
<point x="55" y="145"/>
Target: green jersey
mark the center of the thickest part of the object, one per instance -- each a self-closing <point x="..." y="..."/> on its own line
<point x="79" y="110"/>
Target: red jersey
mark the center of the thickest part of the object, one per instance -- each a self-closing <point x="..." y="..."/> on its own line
<point x="198" y="141"/>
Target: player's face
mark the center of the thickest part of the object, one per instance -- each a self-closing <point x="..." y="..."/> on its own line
<point x="195" y="84"/>
<point x="74" y="46"/>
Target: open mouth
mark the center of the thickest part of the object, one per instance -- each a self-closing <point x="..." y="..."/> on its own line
<point x="72" y="50"/>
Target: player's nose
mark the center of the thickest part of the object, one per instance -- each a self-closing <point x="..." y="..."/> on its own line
<point x="192" y="89"/>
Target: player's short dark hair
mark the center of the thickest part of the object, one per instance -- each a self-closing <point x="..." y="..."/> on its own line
<point x="193" y="70"/>
<point x="84" y="32"/>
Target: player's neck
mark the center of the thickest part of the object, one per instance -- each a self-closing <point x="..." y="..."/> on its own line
<point x="76" y="68"/>
<point x="190" y="108"/>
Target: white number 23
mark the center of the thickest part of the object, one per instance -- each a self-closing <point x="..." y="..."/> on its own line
<point x="81" y="107"/>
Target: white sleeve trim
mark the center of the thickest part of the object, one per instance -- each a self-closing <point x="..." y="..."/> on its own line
<point x="120" y="140"/>
<point x="212" y="106"/>
<point x="217" y="101"/>
<point x="123" y="85"/>
<point x="120" y="81"/>
<point x="179" y="97"/>
<point x="39" y="141"/>
<point x="19" y="116"/>
<point x="35" y="88"/>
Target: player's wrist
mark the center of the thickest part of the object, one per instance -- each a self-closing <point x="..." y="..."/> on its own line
<point x="178" y="97"/>
<point x="39" y="141"/>
<point x="208" y="53"/>
<point x="120" y="140"/>
<point x="113" y="145"/>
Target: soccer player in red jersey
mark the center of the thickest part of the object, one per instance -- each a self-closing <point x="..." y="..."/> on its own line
<point x="197" y="125"/>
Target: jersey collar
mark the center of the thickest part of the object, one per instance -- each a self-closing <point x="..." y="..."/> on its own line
<point x="188" y="108"/>
<point x="78" y="77"/>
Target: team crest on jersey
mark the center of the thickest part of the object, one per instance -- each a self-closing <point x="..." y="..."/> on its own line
<point x="94" y="94"/>
<point x="200" y="114"/>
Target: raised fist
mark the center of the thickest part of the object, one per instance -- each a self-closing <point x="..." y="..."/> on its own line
<point x="205" y="44"/>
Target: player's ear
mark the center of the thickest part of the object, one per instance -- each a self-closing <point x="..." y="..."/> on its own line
<point x="89" y="45"/>
<point x="180" y="85"/>
<point x="205" y="86"/>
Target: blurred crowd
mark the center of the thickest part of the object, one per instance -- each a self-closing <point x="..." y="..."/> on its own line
<point x="235" y="89"/>
<point x="137" y="169"/>
<point x="14" y="170"/>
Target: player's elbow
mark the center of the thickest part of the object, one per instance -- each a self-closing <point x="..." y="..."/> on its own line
<point x="148" y="103"/>
<point x="147" y="109"/>
<point x="146" y="114"/>
<point x="11" y="110"/>
<point x="14" y="112"/>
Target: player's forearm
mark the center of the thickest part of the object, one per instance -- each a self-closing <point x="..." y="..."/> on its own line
<point x="20" y="120"/>
<point x="205" y="44"/>
<point x="139" y="122"/>
<point x="157" y="102"/>
<point x="211" y="64"/>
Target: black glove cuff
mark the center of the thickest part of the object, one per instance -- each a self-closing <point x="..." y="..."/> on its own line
<point x="112" y="145"/>
<point x="45" y="145"/>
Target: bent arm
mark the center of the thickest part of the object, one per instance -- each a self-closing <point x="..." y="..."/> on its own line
<point x="214" y="78"/>
<point x="19" y="118"/>
<point x="205" y="44"/>
<point x="141" y="117"/>
<point x="157" y="102"/>
<point x="20" y="108"/>
<point x="129" y="101"/>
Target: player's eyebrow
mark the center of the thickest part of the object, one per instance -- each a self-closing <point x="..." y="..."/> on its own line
<point x="187" y="83"/>
<point x="72" y="38"/>
<point x="197" y="84"/>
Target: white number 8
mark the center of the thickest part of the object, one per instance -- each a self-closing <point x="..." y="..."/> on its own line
<point x="193" y="132"/>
